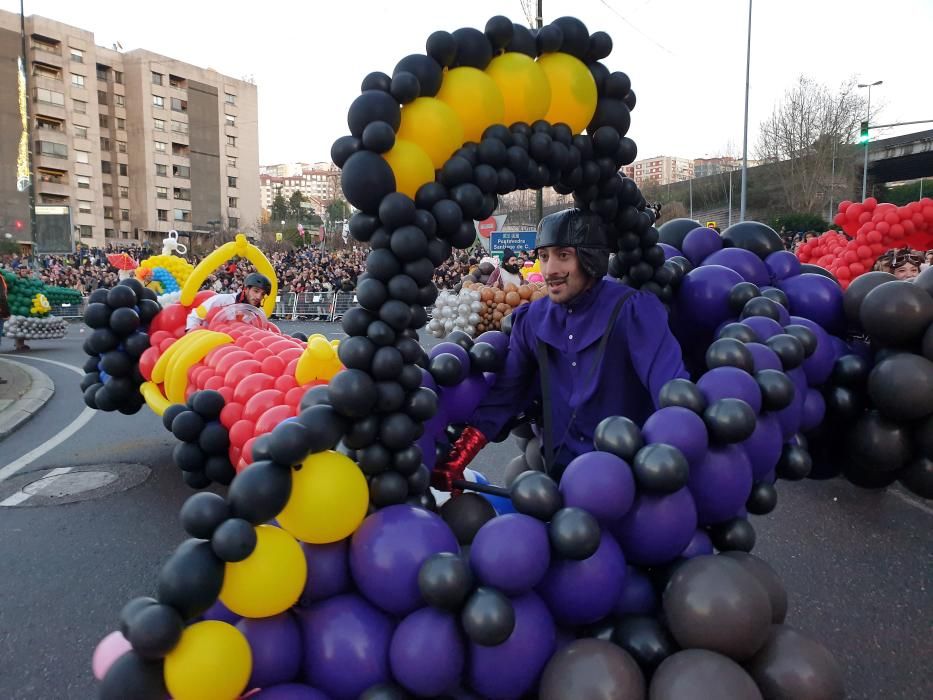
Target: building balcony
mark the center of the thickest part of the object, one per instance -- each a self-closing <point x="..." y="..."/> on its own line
<point x="46" y="55"/>
<point x="51" y="187"/>
<point x="47" y="109"/>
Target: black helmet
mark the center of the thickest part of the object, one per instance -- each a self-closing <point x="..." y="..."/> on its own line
<point x="573" y="228"/>
<point x="255" y="279"/>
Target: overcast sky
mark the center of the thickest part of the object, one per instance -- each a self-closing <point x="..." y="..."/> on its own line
<point x="686" y="58"/>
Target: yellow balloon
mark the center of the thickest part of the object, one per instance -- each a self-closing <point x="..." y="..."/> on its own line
<point x="573" y="90"/>
<point x="328" y="501"/>
<point x="411" y="166"/>
<point x="432" y="125"/>
<point x="212" y="661"/>
<point x="524" y="86"/>
<point x="476" y="99"/>
<point x="270" y="579"/>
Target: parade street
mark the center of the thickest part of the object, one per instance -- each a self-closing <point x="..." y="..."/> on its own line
<point x="856" y="563"/>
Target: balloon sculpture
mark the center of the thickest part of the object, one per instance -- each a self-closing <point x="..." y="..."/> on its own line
<point x="328" y="571"/>
<point x="871" y="229"/>
<point x="31" y="303"/>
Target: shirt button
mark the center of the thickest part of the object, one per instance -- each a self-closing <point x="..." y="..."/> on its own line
<point x="569" y="311"/>
<point x="570" y="337"/>
<point x="573" y="364"/>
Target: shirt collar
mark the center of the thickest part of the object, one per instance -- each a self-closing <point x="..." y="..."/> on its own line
<point x="584" y="300"/>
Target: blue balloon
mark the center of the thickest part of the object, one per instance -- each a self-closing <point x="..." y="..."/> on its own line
<point x="745" y="262"/>
<point x="782" y="264"/>
<point x="701" y="243"/>
<point x="817" y="298"/>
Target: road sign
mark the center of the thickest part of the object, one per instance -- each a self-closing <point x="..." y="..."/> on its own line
<point x="514" y="240"/>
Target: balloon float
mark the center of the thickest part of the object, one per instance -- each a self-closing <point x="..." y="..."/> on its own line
<point x="325" y="570"/>
<point x="30" y="302"/>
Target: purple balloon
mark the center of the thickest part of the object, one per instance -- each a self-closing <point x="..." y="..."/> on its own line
<point x="782" y="264"/>
<point x="437" y="424"/>
<point x="764" y="357"/>
<point x="657" y="528"/>
<point x="581" y="592"/>
<point x="700" y="243"/>
<point x="427" y="653"/>
<point x="782" y="310"/>
<point x="511" y="552"/>
<point x="498" y="339"/>
<point x="819" y="365"/>
<point x="720" y="484"/>
<point x="817" y="298"/>
<point x="638" y="596"/>
<point x="703" y="297"/>
<point x="791" y="417"/>
<point x="763" y="448"/>
<point x="600" y="483"/>
<point x="763" y="326"/>
<point x="346" y="645"/>
<point x="814" y="408"/>
<point x="276" y="646"/>
<point x="454" y="349"/>
<point x="220" y="612"/>
<point x="428" y="452"/>
<point x="680" y="427"/>
<point x="328" y="570"/>
<point x="745" y="262"/>
<point x="387" y="551"/>
<point x="290" y="691"/>
<point x="510" y="669"/>
<point x="427" y="380"/>
<point x="669" y="250"/>
<point x="730" y="383"/>
<point x="462" y="398"/>
<point x="699" y="545"/>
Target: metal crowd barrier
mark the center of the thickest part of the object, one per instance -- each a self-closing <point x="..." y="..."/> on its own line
<point x="314" y="306"/>
<point x="342" y="302"/>
<point x="69" y="311"/>
<point x="284" y="305"/>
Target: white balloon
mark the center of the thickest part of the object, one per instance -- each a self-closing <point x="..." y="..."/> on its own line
<point x="473" y="319"/>
<point x="464" y="309"/>
<point x="476" y="306"/>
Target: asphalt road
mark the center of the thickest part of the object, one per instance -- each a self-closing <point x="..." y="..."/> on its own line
<point x="858" y="565"/>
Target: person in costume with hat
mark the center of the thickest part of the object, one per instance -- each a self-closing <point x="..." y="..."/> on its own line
<point x="509" y="272"/>
<point x="256" y="287"/>
<point x="905" y="264"/>
<point x="592" y="348"/>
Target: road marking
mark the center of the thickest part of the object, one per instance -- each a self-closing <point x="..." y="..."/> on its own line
<point x="21" y="496"/>
<point x="912" y="501"/>
<point x="76" y="370"/>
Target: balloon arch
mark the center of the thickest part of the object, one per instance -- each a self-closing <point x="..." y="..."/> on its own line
<point x="328" y="571"/>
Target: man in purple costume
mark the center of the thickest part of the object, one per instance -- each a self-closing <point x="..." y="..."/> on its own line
<point x="608" y="351"/>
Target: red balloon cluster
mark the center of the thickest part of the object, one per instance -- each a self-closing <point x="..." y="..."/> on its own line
<point x="872" y="230"/>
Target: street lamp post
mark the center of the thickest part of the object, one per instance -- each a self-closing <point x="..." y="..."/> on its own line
<point x="867" y="140"/>
<point x="748" y="63"/>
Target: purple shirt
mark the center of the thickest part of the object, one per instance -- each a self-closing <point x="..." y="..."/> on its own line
<point x="641" y="356"/>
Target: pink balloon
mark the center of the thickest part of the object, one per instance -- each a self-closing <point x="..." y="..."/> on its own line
<point x="110" y="648"/>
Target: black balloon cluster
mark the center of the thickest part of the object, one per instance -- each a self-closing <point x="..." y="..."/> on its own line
<point x="119" y="318"/>
<point x="201" y="454"/>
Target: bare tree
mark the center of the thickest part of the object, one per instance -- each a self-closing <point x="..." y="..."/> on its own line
<point x="809" y="128"/>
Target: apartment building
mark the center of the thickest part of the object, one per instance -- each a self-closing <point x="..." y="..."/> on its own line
<point x="131" y="144"/>
<point x="318" y="182"/>
<point x="659" y="170"/>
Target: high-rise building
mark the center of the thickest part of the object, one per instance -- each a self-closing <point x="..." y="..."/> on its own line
<point x="703" y="167"/>
<point x="659" y="170"/>
<point x="318" y="182"/>
<point x="132" y="144"/>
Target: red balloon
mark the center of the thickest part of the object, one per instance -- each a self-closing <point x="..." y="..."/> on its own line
<point x="166" y="344"/>
<point x="251" y="385"/>
<point x="247" y="454"/>
<point x="240" y="372"/>
<point x="864" y="252"/>
<point x="271" y="418"/>
<point x="218" y="353"/>
<point x="850" y="256"/>
<point x="235" y="457"/>
<point x="227" y="393"/>
<point x="263" y="353"/>
<point x="883" y="227"/>
<point x="273" y="365"/>
<point x="201" y="297"/>
<point x="227" y="362"/>
<point x="874" y="236"/>
<point x="231" y="413"/>
<point x="293" y="397"/>
<point x="157" y="337"/>
<point x="843" y="273"/>
<point x="877" y="249"/>
<point x="840" y="219"/>
<point x="214" y="383"/>
<point x="253" y="346"/>
<point x="897" y="231"/>
<point x="261" y="402"/>
<point x="285" y="382"/>
<point x="195" y="371"/>
<point x="870" y="202"/>
<point x="856" y="269"/>
<point x="173" y="316"/>
<point x="147" y="361"/>
<point x="864" y="217"/>
<point x="241" y="431"/>
<point x="853" y="212"/>
<point x="290" y="367"/>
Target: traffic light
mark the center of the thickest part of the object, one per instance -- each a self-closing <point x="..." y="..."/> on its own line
<point x="863" y="133"/>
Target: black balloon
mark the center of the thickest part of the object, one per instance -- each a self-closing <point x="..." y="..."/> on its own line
<point x="762" y="499"/>
<point x="488" y="617"/>
<point x="155" y="630"/>
<point x="646" y="639"/>
<point x="682" y="392"/>
<point x="729" y="420"/>
<point x="858" y="289"/>
<point x="214" y="439"/>
<point x="896" y="313"/>
<point x="574" y="533"/>
<point x="352" y="393"/>
<point x="618" y="435"/>
<point x="878" y="444"/>
<point x="739" y="331"/>
<point x="388" y="488"/>
<point x="202" y="513"/>
<point x="447" y="369"/>
<point x="372" y="106"/>
<point x="795" y="463"/>
<point x="761" y="306"/>
<point x="918" y="477"/>
<point x="473" y="48"/>
<point x="536" y="494"/>
<point x="674" y="231"/>
<point x="777" y="389"/>
<point x="445" y="580"/>
<point x="660" y="468"/>
<point x="234" y="540"/>
<point x="850" y="371"/>
<point x="466" y="514"/>
<point x="901" y="386"/>
<point x="523" y="41"/>
<point x="260" y="492"/>
<point x="191" y="579"/>
<point x="187" y="426"/>
<point x="729" y="352"/>
<point x="132" y="676"/>
<point x="759" y="238"/>
<point x="366" y="179"/>
<point x="788" y="348"/>
<point x="733" y="535"/>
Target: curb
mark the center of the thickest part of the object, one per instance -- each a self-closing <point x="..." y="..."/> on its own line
<point x="41" y="390"/>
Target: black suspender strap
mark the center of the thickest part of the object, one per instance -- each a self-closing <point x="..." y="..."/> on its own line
<point x="548" y="447"/>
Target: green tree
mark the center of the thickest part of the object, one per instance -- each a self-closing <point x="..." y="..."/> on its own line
<point x="294" y="206"/>
<point x="279" y="209"/>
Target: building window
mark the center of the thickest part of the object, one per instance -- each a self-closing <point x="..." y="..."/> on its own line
<point x="84" y="207"/>
<point x="121" y="123"/>
<point x="105" y="167"/>
<point x="179" y="127"/>
<point x="231" y="161"/>
<point x="45" y="71"/>
<point x="179" y="149"/>
<point x="86" y="231"/>
<point x="179" y="105"/>
<point x="182" y="215"/>
<point x="160" y="146"/>
<point x="55" y="150"/>
<point x="104" y="143"/>
<point x="182" y="171"/>
<point x="158" y="124"/>
<point x="231" y="141"/>
<point x="156" y="78"/>
<point x="119" y="100"/>
<point x="103" y="121"/>
<point x="124" y="192"/>
<point x="161" y="170"/>
<point x="161" y="192"/>
<point x="231" y="181"/>
<point x="124" y="215"/>
<point x="231" y="202"/>
<point x="102" y="72"/>
<point x="229" y="98"/>
<point x="182" y="193"/>
<point x="82" y="156"/>
<point x="108" y="233"/>
<point x="77" y="55"/>
<point x="49" y="124"/>
<point x="121" y="146"/>
<point x="107" y="189"/>
<point x="83" y="181"/>
<point x="230" y="119"/>
<point x="77" y="80"/>
<point x="162" y="214"/>
<point x="118" y="77"/>
<point x="80" y="132"/>
<point x="108" y="212"/>
<point x="101" y="97"/>
<point x="176" y="81"/>
<point x="50" y="97"/>
<point x="158" y="101"/>
<point x="233" y="222"/>
<point x="124" y="170"/>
